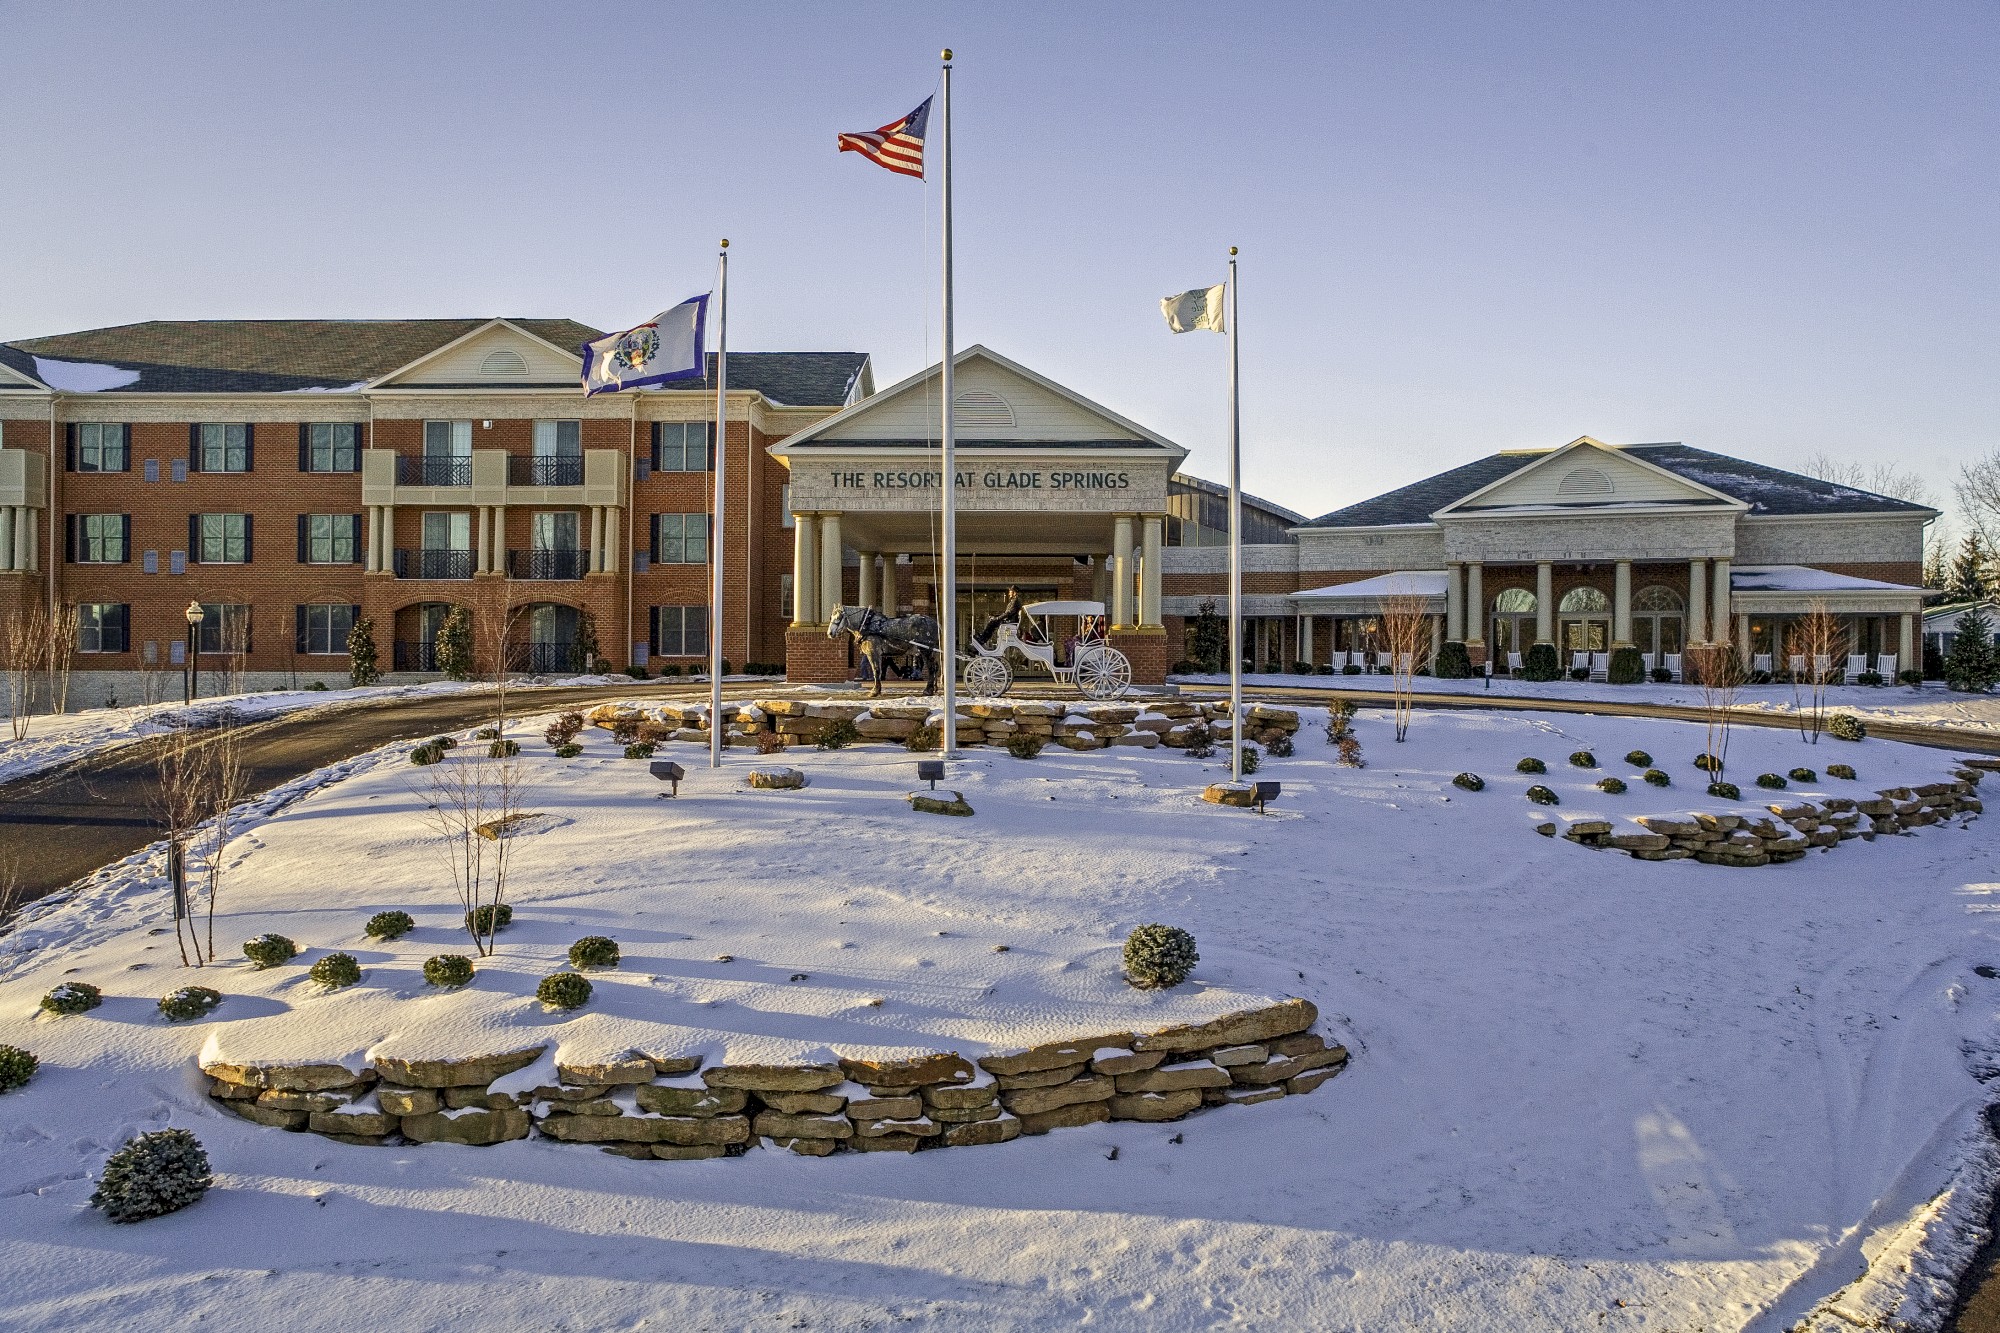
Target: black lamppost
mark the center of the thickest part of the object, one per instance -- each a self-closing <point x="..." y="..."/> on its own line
<point x="193" y="677"/>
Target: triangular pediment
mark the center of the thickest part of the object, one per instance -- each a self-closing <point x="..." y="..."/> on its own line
<point x="1586" y="475"/>
<point x="998" y="402"/>
<point x="10" y="378"/>
<point x="498" y="354"/>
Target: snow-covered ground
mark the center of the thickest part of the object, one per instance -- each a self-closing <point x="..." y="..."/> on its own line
<point x="1930" y="703"/>
<point x="1587" y="1091"/>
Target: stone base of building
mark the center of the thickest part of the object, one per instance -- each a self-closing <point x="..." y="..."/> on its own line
<point x="1147" y="650"/>
<point x="813" y="659"/>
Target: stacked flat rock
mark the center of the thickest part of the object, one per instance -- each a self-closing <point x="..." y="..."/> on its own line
<point x="670" y="1107"/>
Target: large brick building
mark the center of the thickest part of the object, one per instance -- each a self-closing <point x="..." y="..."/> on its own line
<point x="290" y="477"/>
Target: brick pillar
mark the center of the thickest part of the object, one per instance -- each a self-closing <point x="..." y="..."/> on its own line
<point x="812" y="658"/>
<point x="1147" y="651"/>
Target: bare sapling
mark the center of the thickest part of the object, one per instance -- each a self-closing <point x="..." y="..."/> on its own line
<point x="236" y="647"/>
<point x="24" y="640"/>
<point x="60" y="657"/>
<point x="499" y="634"/>
<point x="1721" y="678"/>
<point x="10" y="886"/>
<point x="226" y="790"/>
<point x="1406" y="636"/>
<point x="182" y="799"/>
<point x="152" y="678"/>
<point x="1817" y="640"/>
<point x="470" y="804"/>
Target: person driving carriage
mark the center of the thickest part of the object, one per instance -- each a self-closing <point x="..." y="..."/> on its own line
<point x="1010" y="614"/>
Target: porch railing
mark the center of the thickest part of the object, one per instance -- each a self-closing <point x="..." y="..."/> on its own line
<point x="415" y="655"/>
<point x="548" y="564"/>
<point x="433" y="470"/>
<point x="432" y="564"/>
<point x="545" y="470"/>
<point x="544" y="658"/>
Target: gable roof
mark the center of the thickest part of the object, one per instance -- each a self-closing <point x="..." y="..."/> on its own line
<point x="793" y="379"/>
<point x="1610" y="478"/>
<point x="1768" y="491"/>
<point x="20" y="363"/>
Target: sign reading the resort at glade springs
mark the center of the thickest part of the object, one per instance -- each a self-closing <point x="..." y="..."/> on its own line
<point x="991" y="479"/>
<point x="670" y="346"/>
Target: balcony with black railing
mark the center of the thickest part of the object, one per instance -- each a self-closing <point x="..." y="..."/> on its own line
<point x="433" y="470"/>
<point x="557" y="564"/>
<point x="545" y="470"/>
<point x="432" y="564"/>
<point x="415" y="655"/>
<point x="545" y="658"/>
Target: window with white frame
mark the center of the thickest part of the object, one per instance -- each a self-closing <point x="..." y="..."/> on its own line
<point x="331" y="539"/>
<point x="558" y="439"/>
<point x="102" y="539"/>
<point x="448" y="439"/>
<point x="323" y="628"/>
<point x="680" y="446"/>
<point x="222" y="539"/>
<point x="680" y="631"/>
<point x="102" y="627"/>
<point x="680" y="539"/>
<point x="332" y="446"/>
<point x="222" y="447"/>
<point x="224" y="628"/>
<point x="100" y="446"/>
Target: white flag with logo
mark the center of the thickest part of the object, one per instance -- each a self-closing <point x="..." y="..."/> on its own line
<point x="670" y="346"/>
<point x="1198" y="309"/>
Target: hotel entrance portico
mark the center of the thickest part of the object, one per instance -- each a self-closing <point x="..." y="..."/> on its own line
<point x="1055" y="494"/>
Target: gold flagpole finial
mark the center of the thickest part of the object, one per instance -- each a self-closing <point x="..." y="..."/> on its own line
<point x="725" y="244"/>
<point x="947" y="53"/>
<point x="1232" y="250"/>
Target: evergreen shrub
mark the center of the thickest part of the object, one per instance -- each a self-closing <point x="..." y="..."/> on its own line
<point x="639" y="750"/>
<point x="189" y="1002"/>
<point x="1250" y="760"/>
<point x="490" y="920"/>
<point x="1611" y="786"/>
<point x="503" y="749"/>
<point x="73" y="997"/>
<point x="1351" y="669"/>
<point x="838" y="735"/>
<point x="1583" y="759"/>
<point x="594" y="951"/>
<point x="153" y="1175"/>
<point x="564" y="990"/>
<point x="1726" y="791"/>
<point x="448" y="969"/>
<point x="568" y="750"/>
<point x="1840" y="771"/>
<point x="1200" y="743"/>
<point x="1662" y="676"/>
<point x="1024" y="744"/>
<point x="486" y="734"/>
<point x="1639" y="759"/>
<point x="1771" y="781"/>
<point x="1469" y="782"/>
<point x="389" y="925"/>
<point x="1657" y="777"/>
<point x="1708" y="763"/>
<point x="1531" y="765"/>
<point x="1278" y="745"/>
<point x="1158" y="956"/>
<point x="336" y="970"/>
<point x="925" y="738"/>
<point x="1541" y="795"/>
<point x="1541" y="663"/>
<point x="427" y="753"/>
<point x="16" y="1067"/>
<point x="1628" y="667"/>
<point x="1453" y="662"/>
<point x="1579" y="673"/>
<point x="1869" y="678"/>
<point x="270" y="950"/>
<point x="1847" y="727"/>
<point x="1802" y="775"/>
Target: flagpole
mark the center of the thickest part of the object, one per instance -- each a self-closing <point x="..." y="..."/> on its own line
<point x="715" y="546"/>
<point x="948" y="584"/>
<point x="1235" y="547"/>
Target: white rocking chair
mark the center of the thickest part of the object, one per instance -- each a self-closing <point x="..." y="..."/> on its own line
<point x="1674" y="667"/>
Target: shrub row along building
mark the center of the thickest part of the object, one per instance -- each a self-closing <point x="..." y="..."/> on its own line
<point x="289" y="478"/>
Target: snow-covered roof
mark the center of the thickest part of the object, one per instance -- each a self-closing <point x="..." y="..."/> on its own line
<point x="1368" y="594"/>
<point x="1804" y="578"/>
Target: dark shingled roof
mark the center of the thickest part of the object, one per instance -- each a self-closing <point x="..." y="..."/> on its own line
<point x="278" y="355"/>
<point x="18" y="361"/>
<point x="1767" y="490"/>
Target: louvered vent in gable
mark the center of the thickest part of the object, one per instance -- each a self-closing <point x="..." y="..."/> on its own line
<point x="504" y="361"/>
<point x="982" y="408"/>
<point x="1584" y="481"/>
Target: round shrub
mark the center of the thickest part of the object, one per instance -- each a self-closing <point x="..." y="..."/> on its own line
<point x="924" y="739"/>
<point x="1025" y="744"/>
<point x="1250" y="760"/>
<point x="1708" y="763"/>
<point x="1770" y="781"/>
<point x="1662" y="676"/>
<point x="1541" y="795"/>
<point x="1583" y="759"/>
<point x="1351" y="669"/>
<point x="389" y="925"/>
<point x="486" y="734"/>
<point x="189" y="1003"/>
<point x="568" y="750"/>
<point x="73" y="997"/>
<point x="270" y="950"/>
<point x="153" y="1175"/>
<point x="445" y="742"/>
<point x="503" y="749"/>
<point x="1846" y="727"/>
<point x="1840" y="771"/>
<point x="1541" y="663"/>
<point x="1200" y="741"/>
<point x="1579" y="673"/>
<point x="563" y="990"/>
<point x="490" y="920"/>
<point x="1469" y="782"/>
<point x="1157" y="956"/>
<point x="1279" y="746"/>
<point x="1802" y="775"/>
<point x="1657" y="777"/>
<point x="1639" y="759"/>
<point x="639" y="750"/>
<point x="336" y="970"/>
<point x="1531" y="765"/>
<point x="448" y="969"/>
<point x="594" y="951"/>
<point x="1453" y="663"/>
<point x="838" y="735"/>
<point x="1611" y="786"/>
<point x="16" y="1067"/>
<point x="430" y="752"/>
<point x="1726" y="791"/>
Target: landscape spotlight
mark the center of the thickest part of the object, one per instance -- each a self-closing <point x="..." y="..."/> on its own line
<point x="930" y="770"/>
<point x="1267" y="791"/>
<point x="666" y="770"/>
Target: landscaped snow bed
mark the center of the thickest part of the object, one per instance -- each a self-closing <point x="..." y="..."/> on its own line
<point x="1587" y="1091"/>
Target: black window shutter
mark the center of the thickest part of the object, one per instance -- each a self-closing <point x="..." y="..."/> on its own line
<point x="305" y="447"/>
<point x="249" y="446"/>
<point x="125" y="448"/>
<point x="124" y="539"/>
<point x="302" y="539"/>
<point x="653" y="445"/>
<point x="122" y="622"/>
<point x="69" y="445"/>
<point x="69" y="536"/>
<point x="708" y="436"/>
<point x="353" y="618"/>
<point x="299" y="629"/>
<point x="653" y="535"/>
<point x="194" y="538"/>
<point x="355" y="545"/>
<point x="246" y="539"/>
<point x="194" y="446"/>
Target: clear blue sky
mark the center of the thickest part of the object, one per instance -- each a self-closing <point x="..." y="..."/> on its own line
<point x="1765" y="229"/>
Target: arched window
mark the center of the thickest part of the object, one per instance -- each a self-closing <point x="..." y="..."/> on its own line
<point x="1584" y="481"/>
<point x="1657" y="597"/>
<point x="1514" y="602"/>
<point x="1584" y="601"/>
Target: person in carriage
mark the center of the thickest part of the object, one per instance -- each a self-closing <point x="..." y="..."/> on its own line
<point x="1010" y="614"/>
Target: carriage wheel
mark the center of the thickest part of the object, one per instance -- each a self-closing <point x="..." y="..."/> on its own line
<point x="1103" y="673"/>
<point x="988" y="677"/>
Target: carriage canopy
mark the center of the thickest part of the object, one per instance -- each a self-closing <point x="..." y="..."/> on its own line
<point x="1064" y="608"/>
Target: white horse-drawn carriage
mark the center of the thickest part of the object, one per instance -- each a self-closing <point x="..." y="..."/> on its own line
<point x="1094" y="667"/>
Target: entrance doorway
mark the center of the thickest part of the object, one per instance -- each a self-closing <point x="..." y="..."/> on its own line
<point x="1659" y="622"/>
<point x="552" y="640"/>
<point x="1585" y="621"/>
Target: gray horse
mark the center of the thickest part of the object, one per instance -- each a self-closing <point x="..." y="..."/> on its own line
<point x="888" y="638"/>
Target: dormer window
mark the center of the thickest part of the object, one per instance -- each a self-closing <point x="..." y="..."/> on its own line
<point x="504" y="361"/>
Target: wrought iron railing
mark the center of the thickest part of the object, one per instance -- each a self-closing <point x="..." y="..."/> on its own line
<point x="429" y="564"/>
<point x="545" y="470"/>
<point x="559" y="564"/>
<point x="415" y="655"/>
<point x="433" y="470"/>
<point x="544" y="658"/>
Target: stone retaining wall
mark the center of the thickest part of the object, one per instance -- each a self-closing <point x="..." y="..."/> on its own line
<point x="1788" y="832"/>
<point x="667" y="1106"/>
<point x="1074" y="726"/>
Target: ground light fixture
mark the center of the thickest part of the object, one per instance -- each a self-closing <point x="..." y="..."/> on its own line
<point x="192" y="680"/>
<point x="666" y="770"/>
<point x="1267" y="791"/>
<point x="930" y="770"/>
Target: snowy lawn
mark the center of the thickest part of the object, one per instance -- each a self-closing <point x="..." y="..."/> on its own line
<point x="1587" y="1091"/>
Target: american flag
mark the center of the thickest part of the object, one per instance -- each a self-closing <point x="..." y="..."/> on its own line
<point x="897" y="146"/>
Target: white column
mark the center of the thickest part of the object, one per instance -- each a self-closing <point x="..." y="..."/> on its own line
<point x="1454" y="604"/>
<point x="1719" y="603"/>
<point x="1906" y="644"/>
<point x="1306" y="640"/>
<point x="614" y="540"/>
<point x="1697" y="627"/>
<point x="805" y="568"/>
<point x="830" y="552"/>
<point x="865" y="592"/>
<point x="892" y="584"/>
<point x="499" y="535"/>
<point x="1475" y="603"/>
<point x="30" y="521"/>
<point x="1621" y="604"/>
<point x="480" y="539"/>
<point x="1437" y="639"/>
<point x="596" y="561"/>
<point x="1545" y="602"/>
<point x="1100" y="588"/>
<point x="1743" y="639"/>
<point x="6" y="537"/>
<point x="1121" y="572"/>
<point x="1149" y="586"/>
